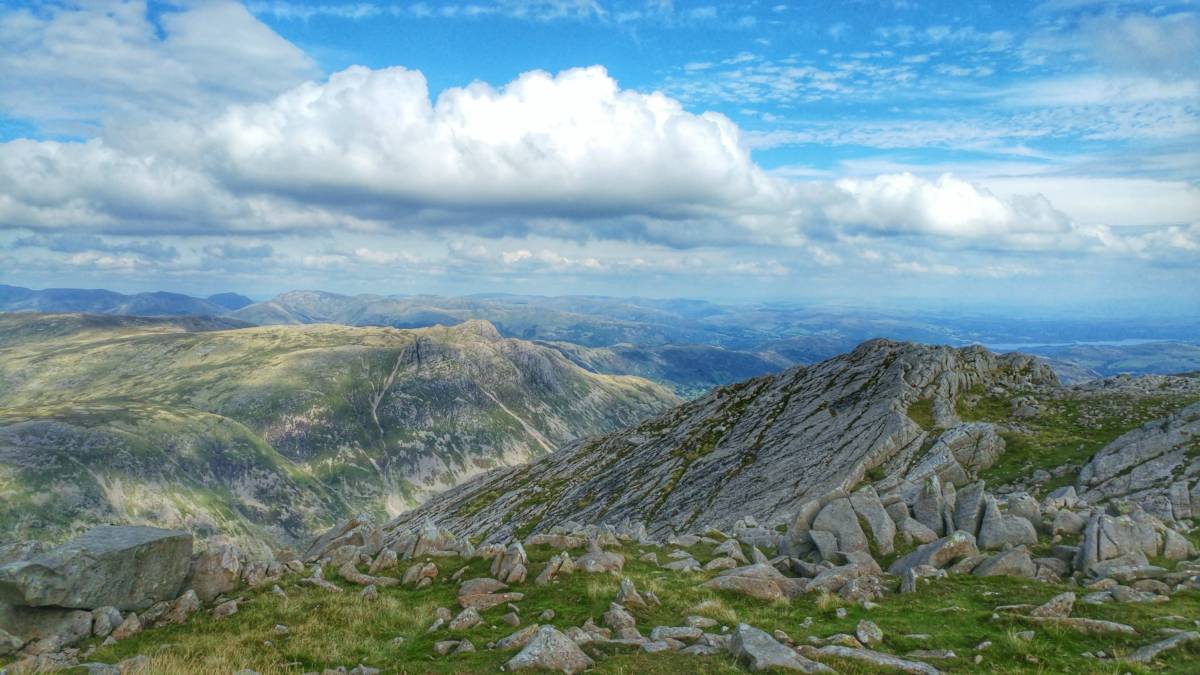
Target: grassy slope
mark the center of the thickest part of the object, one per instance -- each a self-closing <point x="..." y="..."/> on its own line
<point x="197" y="427"/>
<point x="328" y="630"/>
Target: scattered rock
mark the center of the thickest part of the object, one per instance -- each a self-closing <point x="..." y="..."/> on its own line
<point x="549" y="649"/>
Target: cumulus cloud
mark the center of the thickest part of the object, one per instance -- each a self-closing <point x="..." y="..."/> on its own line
<point x="571" y="156"/>
<point x="67" y="65"/>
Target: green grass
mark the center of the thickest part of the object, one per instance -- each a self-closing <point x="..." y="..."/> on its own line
<point x="328" y="630"/>
<point x="921" y="412"/>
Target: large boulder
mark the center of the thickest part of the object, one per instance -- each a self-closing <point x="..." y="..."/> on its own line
<point x="760" y="581"/>
<point x="838" y="518"/>
<point x="937" y="554"/>
<point x="870" y="509"/>
<point x="121" y="566"/>
<point x="549" y="649"/>
<point x="1015" y="562"/>
<point x="998" y="530"/>
<point x="1107" y="537"/>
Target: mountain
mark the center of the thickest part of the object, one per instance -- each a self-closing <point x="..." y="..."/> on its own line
<point x="690" y="370"/>
<point x="98" y="301"/>
<point x="760" y="447"/>
<point x="1105" y="360"/>
<point x="230" y="301"/>
<point x="273" y="432"/>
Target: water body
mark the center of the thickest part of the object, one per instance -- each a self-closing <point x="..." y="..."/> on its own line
<point x="1017" y="346"/>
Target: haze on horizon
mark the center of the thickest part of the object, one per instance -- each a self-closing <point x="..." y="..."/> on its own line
<point x="1007" y="155"/>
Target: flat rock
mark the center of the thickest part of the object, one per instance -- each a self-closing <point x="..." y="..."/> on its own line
<point x="879" y="659"/>
<point x="760" y="651"/>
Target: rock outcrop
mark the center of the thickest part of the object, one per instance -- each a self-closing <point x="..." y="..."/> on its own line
<point x="763" y="448"/>
<point x="1156" y="465"/>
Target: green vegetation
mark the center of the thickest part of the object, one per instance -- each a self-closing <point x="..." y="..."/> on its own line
<point x="326" y="630"/>
<point x="921" y="412"/>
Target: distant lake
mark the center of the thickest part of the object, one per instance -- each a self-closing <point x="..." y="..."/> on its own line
<point x="1016" y="346"/>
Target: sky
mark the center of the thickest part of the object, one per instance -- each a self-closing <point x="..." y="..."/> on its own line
<point x="1000" y="155"/>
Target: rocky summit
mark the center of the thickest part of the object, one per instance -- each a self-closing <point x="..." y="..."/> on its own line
<point x="760" y="448"/>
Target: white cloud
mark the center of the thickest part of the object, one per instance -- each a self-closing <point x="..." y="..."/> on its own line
<point x="66" y="66"/>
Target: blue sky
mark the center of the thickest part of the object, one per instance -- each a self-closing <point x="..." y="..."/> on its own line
<point x="906" y="151"/>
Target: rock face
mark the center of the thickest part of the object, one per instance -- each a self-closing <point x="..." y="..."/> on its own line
<point x="122" y="567"/>
<point x="1156" y="465"/>
<point x="762" y="447"/>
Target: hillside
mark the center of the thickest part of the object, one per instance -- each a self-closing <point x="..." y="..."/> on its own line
<point x="272" y="432"/>
<point x="757" y="448"/>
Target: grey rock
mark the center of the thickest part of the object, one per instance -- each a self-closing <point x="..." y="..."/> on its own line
<point x="121" y="566"/>
<point x="998" y="531"/>
<point x="838" y="517"/>
<point x="1150" y="652"/>
<point x="762" y="582"/>
<point x="105" y="620"/>
<point x="879" y="660"/>
<point x="968" y="509"/>
<point x="937" y="554"/>
<point x="928" y="507"/>
<point x="216" y="571"/>
<point x="882" y="529"/>
<point x="760" y="651"/>
<point x="1014" y="562"/>
<point x="549" y="649"/>
<point x="1142" y="465"/>
<point x="49" y="628"/>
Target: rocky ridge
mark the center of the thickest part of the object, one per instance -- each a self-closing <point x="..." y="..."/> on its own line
<point x="760" y="448"/>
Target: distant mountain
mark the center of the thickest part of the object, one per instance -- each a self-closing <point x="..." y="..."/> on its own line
<point x="690" y="370"/>
<point x="98" y="301"/>
<point x="1100" y="360"/>
<point x="230" y="301"/>
<point x="273" y="432"/>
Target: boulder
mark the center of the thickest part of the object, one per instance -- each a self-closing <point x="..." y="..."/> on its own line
<point x="968" y="509"/>
<point x="598" y="560"/>
<point x="49" y="628"/>
<point x="549" y="649"/>
<point x="760" y="581"/>
<point x="998" y="531"/>
<point x="216" y="571"/>
<point x="1014" y="562"/>
<point x="870" y="509"/>
<point x="929" y="504"/>
<point x="759" y="651"/>
<point x="357" y="532"/>
<point x="1058" y="606"/>
<point x="105" y="620"/>
<point x="887" y="662"/>
<point x="1150" y="652"/>
<point x="120" y="566"/>
<point x="838" y="517"/>
<point x="1023" y="505"/>
<point x="937" y="554"/>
